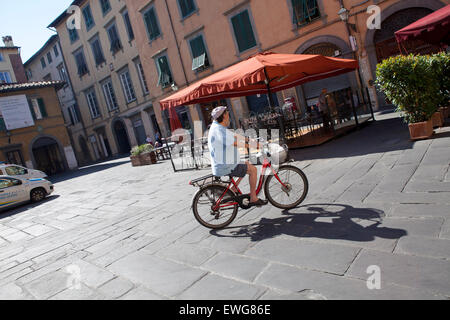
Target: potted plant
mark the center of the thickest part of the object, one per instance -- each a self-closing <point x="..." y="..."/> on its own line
<point x="143" y="155"/>
<point x="441" y="64"/>
<point x="411" y="83"/>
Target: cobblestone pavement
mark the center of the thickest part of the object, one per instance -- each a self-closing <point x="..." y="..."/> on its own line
<point x="117" y="232"/>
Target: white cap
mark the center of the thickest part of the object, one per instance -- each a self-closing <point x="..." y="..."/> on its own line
<point x="217" y="112"/>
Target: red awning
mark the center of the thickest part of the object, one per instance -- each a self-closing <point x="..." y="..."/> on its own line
<point x="434" y="28"/>
<point x="248" y="77"/>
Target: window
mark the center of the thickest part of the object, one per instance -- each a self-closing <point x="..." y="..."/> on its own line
<point x="1" y="56"/>
<point x="48" y="77"/>
<point x="140" y="70"/>
<point x="37" y="108"/>
<point x="49" y="57"/>
<point x="74" y="114"/>
<point x="62" y="73"/>
<point x="73" y="35"/>
<point x="126" y="19"/>
<point x="151" y="24"/>
<point x="127" y="86"/>
<point x="88" y="19"/>
<point x="97" y="51"/>
<point x="92" y="103"/>
<point x="165" y="76"/>
<point x="5" y="77"/>
<point x="15" y="171"/>
<point x="80" y="60"/>
<point x="114" y="39"/>
<point x="105" y="5"/>
<point x="198" y="50"/>
<point x="29" y="74"/>
<point x="110" y="96"/>
<point x="14" y="156"/>
<point x="55" y="50"/>
<point x="243" y="31"/>
<point x="304" y="11"/>
<point x="6" y="183"/>
<point x="43" y="64"/>
<point x="186" y="7"/>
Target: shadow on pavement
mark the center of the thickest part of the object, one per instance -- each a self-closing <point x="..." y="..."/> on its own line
<point x="5" y="213"/>
<point x="340" y="222"/>
<point x="85" y="171"/>
<point x="375" y="137"/>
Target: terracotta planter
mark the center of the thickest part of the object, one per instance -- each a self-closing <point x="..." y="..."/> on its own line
<point x="438" y="120"/>
<point x="135" y="161"/>
<point x="148" y="158"/>
<point x="421" y="130"/>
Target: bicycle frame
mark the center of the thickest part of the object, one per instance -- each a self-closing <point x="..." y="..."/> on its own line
<point x="266" y="165"/>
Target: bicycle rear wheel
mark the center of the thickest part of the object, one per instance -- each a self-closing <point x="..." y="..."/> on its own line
<point x="295" y="191"/>
<point x="205" y="200"/>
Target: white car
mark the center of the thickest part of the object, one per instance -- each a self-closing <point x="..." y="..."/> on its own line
<point x="17" y="171"/>
<point x="14" y="191"/>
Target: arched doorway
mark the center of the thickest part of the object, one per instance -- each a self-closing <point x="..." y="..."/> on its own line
<point x="384" y="39"/>
<point x="123" y="143"/>
<point x="47" y="156"/>
<point x="86" y="156"/>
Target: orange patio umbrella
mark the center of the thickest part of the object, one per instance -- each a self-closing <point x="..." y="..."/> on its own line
<point x="262" y="73"/>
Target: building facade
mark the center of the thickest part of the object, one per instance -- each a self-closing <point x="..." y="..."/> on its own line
<point x="34" y="133"/>
<point x="107" y="76"/>
<point x="47" y="65"/>
<point x="11" y="67"/>
<point x="182" y="41"/>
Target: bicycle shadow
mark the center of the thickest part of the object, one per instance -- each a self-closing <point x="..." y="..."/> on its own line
<point x="339" y="222"/>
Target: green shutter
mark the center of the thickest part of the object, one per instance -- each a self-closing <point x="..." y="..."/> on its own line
<point x="33" y="114"/>
<point x="243" y="31"/>
<point x="152" y="25"/>
<point x="197" y="46"/>
<point x="42" y="107"/>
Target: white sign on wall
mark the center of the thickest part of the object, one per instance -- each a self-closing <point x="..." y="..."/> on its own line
<point x="16" y="112"/>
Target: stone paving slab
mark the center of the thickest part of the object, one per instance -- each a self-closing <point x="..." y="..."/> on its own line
<point x="326" y="286"/>
<point x="315" y="256"/>
<point x="161" y="276"/>
<point x="412" y="271"/>
<point x="213" y="287"/>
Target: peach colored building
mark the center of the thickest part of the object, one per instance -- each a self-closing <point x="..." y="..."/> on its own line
<point x="182" y="41"/>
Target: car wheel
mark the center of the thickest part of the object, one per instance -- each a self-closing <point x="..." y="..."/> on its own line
<point x="37" y="195"/>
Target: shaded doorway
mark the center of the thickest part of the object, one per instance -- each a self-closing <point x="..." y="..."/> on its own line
<point x="123" y="143"/>
<point x="86" y="156"/>
<point x="47" y="156"/>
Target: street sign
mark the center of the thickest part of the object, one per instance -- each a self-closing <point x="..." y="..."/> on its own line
<point x="16" y="112"/>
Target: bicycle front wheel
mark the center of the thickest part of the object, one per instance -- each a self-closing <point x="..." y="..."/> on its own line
<point x="292" y="192"/>
<point x="203" y="206"/>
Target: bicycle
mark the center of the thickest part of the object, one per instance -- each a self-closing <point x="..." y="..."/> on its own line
<point x="216" y="205"/>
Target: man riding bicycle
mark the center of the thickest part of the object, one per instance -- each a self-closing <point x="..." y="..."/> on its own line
<point x="225" y="157"/>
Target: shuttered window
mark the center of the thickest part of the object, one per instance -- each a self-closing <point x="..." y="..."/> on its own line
<point x="106" y="6"/>
<point x="97" y="52"/>
<point x="243" y="31"/>
<point x="198" y="49"/>
<point x="126" y="19"/>
<point x="151" y="24"/>
<point x="165" y="76"/>
<point x="304" y="11"/>
<point x="37" y="108"/>
<point x="88" y="19"/>
<point x="114" y="39"/>
<point x="73" y="35"/>
<point x="186" y="7"/>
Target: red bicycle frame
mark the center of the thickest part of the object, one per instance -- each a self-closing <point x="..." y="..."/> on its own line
<point x="266" y="164"/>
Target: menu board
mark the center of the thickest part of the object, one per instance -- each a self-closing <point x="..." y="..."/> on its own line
<point x="16" y="112"/>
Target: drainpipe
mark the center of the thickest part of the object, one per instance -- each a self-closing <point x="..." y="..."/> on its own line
<point x="176" y="42"/>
